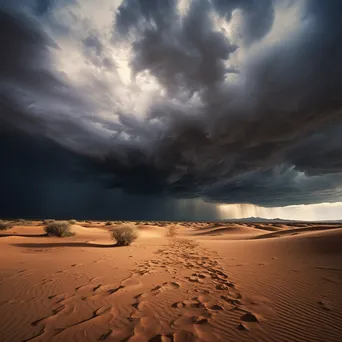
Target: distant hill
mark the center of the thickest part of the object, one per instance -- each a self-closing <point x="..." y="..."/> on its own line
<point x="259" y="219"/>
<point x="278" y="220"/>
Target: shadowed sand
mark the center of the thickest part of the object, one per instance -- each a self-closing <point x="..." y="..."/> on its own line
<point x="211" y="282"/>
<point x="65" y="244"/>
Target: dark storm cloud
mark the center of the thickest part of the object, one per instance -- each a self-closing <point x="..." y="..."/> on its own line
<point x="323" y="147"/>
<point x="34" y="97"/>
<point x="41" y="180"/>
<point x="133" y="13"/>
<point x="25" y="68"/>
<point x="258" y="16"/>
<point x="22" y="47"/>
<point x="43" y="6"/>
<point x="269" y="135"/>
<point x="279" y="186"/>
<point x="184" y="54"/>
<point x="292" y="90"/>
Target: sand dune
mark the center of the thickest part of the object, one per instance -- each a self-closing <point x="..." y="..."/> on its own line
<point x="212" y="282"/>
<point x="295" y="231"/>
<point x="231" y="232"/>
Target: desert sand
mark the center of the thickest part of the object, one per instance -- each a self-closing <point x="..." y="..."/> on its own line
<point x="211" y="282"/>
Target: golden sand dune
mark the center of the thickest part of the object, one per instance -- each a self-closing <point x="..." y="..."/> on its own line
<point x="211" y="282"/>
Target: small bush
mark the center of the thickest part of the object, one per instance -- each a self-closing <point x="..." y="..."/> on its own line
<point x="171" y="232"/>
<point x="46" y="222"/>
<point x="72" y="221"/>
<point x="4" y="225"/>
<point x="108" y="223"/>
<point x="59" y="228"/>
<point x="124" y="236"/>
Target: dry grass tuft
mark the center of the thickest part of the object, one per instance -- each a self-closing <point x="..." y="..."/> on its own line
<point x="171" y="231"/>
<point x="47" y="221"/>
<point x="59" y="228"/>
<point x="4" y="225"/>
<point x="125" y="236"/>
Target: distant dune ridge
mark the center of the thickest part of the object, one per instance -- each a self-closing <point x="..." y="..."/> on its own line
<point x="237" y="281"/>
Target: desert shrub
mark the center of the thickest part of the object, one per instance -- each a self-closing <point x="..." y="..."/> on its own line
<point x="4" y="225"/>
<point x="48" y="221"/>
<point x="72" y="221"/>
<point x="171" y="232"/>
<point x="124" y="236"/>
<point x="108" y="223"/>
<point x="59" y="228"/>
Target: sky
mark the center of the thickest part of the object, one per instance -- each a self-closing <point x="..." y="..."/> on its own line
<point x="171" y="110"/>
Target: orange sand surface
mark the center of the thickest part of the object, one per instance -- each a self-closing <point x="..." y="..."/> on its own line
<point x="211" y="282"/>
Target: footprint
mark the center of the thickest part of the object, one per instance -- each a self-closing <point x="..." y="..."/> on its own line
<point x="249" y="317"/>
<point x="221" y="287"/>
<point x="216" y="307"/>
<point x="230" y="300"/>
<point x="96" y="287"/>
<point x="114" y="290"/>
<point x="199" y="320"/>
<point x="178" y="305"/>
<point x="193" y="279"/>
<point x="194" y="303"/>
<point x="141" y="296"/>
<point x="199" y="275"/>
<point x="167" y="286"/>
<point x="242" y="327"/>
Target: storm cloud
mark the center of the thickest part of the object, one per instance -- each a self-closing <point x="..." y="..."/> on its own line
<point x="227" y="101"/>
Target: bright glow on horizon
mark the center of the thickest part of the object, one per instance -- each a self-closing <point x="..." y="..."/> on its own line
<point x="304" y="212"/>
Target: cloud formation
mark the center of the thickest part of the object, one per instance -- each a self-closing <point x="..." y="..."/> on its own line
<point x="229" y="101"/>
